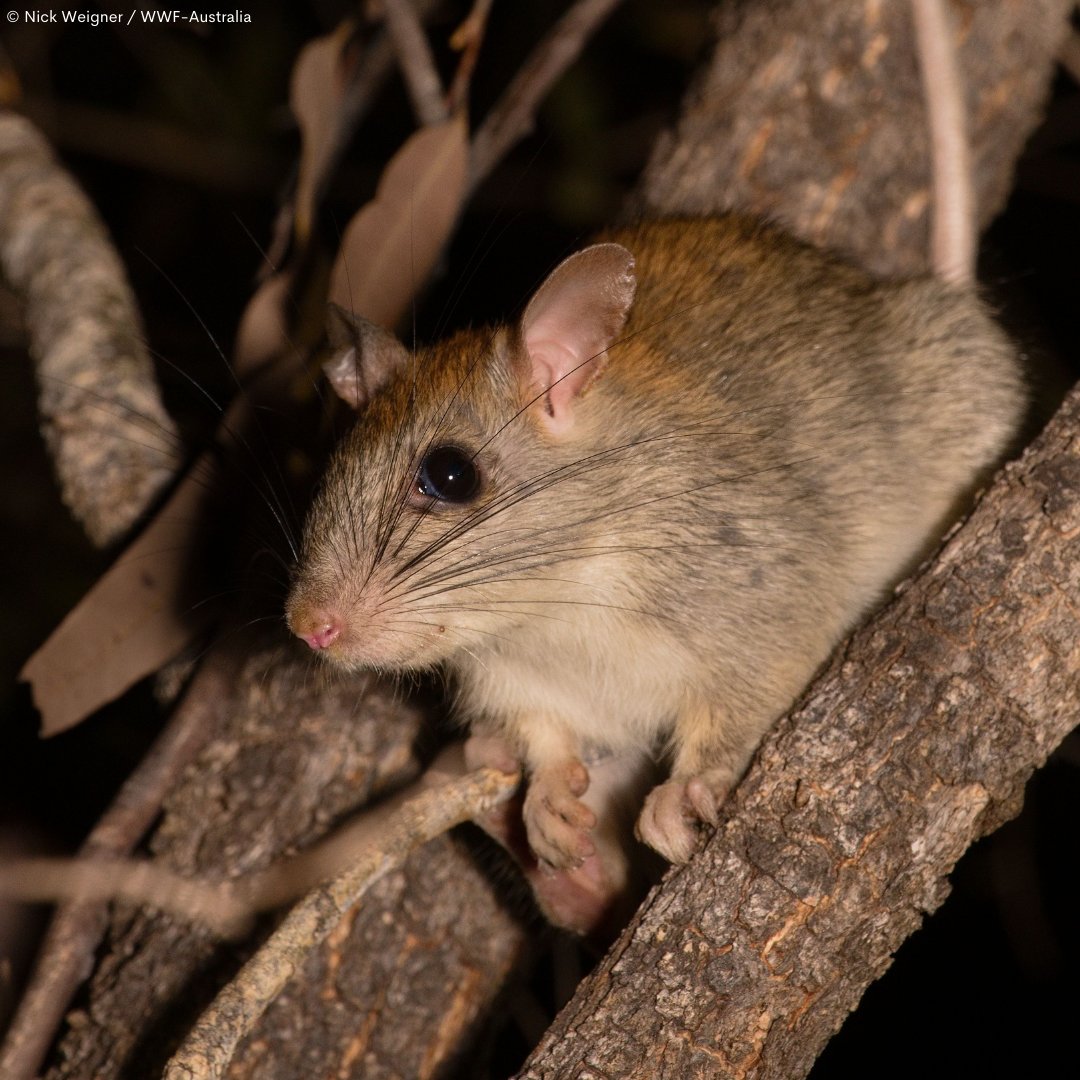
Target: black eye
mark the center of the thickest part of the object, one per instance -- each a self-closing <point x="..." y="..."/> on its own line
<point x="449" y="474"/>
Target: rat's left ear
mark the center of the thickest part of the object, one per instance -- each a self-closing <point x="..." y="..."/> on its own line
<point x="363" y="356"/>
<point x="571" y="321"/>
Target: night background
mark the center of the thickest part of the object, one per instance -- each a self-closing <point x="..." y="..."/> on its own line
<point x="184" y="142"/>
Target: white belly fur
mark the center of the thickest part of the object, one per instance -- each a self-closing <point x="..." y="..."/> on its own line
<point x="610" y="691"/>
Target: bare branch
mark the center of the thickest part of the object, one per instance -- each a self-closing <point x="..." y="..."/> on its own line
<point x="467" y="38"/>
<point x="76" y="929"/>
<point x="512" y="118"/>
<point x="214" y="905"/>
<point x="226" y="908"/>
<point x="207" y="1051"/>
<point x="952" y="240"/>
<point x="417" y="64"/>
<point x="113" y="445"/>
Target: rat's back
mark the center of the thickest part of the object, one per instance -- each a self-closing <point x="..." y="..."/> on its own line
<point x="862" y="413"/>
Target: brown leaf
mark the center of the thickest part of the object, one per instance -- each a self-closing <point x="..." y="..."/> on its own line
<point x="319" y="80"/>
<point x="140" y="614"/>
<point x="391" y="246"/>
<point x="264" y="328"/>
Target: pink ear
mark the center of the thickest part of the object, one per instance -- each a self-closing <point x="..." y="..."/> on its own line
<point x="363" y="356"/>
<point x="570" y="322"/>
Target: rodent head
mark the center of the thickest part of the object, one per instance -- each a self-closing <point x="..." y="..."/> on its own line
<point x="432" y="531"/>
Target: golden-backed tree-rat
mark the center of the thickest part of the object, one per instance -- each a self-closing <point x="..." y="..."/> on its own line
<point x="634" y="522"/>
<point x="640" y="517"/>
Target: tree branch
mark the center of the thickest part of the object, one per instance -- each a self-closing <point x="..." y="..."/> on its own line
<point x="512" y="119"/>
<point x="76" y="928"/>
<point x="434" y="932"/>
<point x="417" y="64"/>
<point x="916" y="741"/>
<point x="811" y="114"/>
<point x="208" y="1049"/>
<point x="113" y="445"/>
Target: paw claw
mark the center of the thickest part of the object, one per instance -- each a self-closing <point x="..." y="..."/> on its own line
<point x="556" y="822"/>
<point x="703" y="800"/>
<point x="670" y="815"/>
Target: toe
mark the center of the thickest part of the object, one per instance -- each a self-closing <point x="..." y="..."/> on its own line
<point x="665" y="823"/>
<point x="558" y="823"/>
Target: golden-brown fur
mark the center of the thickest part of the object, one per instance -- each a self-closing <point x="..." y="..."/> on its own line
<point x="773" y="441"/>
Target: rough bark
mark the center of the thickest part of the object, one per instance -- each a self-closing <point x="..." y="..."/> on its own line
<point x="845" y="868"/>
<point x="113" y="445"/>
<point x="812" y="114"/>
<point x="917" y="740"/>
<point x="434" y="941"/>
<point x="76" y="928"/>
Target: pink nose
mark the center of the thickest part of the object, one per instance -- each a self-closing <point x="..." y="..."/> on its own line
<point x="323" y="634"/>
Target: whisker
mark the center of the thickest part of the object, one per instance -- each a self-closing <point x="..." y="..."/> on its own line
<point x="514" y="495"/>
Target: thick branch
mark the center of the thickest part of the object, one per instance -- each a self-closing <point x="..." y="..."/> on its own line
<point x="292" y="755"/>
<point x="917" y="740"/>
<point x="208" y="1049"/>
<point x="811" y="113"/>
<point x="76" y="928"/>
<point x="112" y="443"/>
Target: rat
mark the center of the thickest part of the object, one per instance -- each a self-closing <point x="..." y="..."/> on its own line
<point x="635" y="521"/>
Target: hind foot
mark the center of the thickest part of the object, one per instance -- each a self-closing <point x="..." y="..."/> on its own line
<point x="673" y="810"/>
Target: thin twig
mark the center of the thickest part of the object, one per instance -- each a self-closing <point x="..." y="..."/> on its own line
<point x="218" y="906"/>
<point x="512" y="118"/>
<point x="952" y="240"/>
<point x="467" y="38"/>
<point x="208" y="1049"/>
<point x="225" y="908"/>
<point x="417" y="64"/>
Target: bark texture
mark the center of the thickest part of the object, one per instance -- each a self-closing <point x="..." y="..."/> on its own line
<point x="917" y="740"/>
<point x="434" y="941"/>
<point x="812" y="114"/>
<point x="113" y="445"/>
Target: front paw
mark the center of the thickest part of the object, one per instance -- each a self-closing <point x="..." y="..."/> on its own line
<point x="669" y="818"/>
<point x="502" y="824"/>
<point x="556" y="821"/>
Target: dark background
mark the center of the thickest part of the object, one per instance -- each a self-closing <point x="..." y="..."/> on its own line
<point x="184" y="142"/>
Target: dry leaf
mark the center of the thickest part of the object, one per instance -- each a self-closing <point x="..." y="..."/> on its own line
<point x="145" y="609"/>
<point x="319" y="79"/>
<point x="163" y="591"/>
<point x="140" y="614"/>
<point x="391" y="246"/>
<point x="263" y="328"/>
